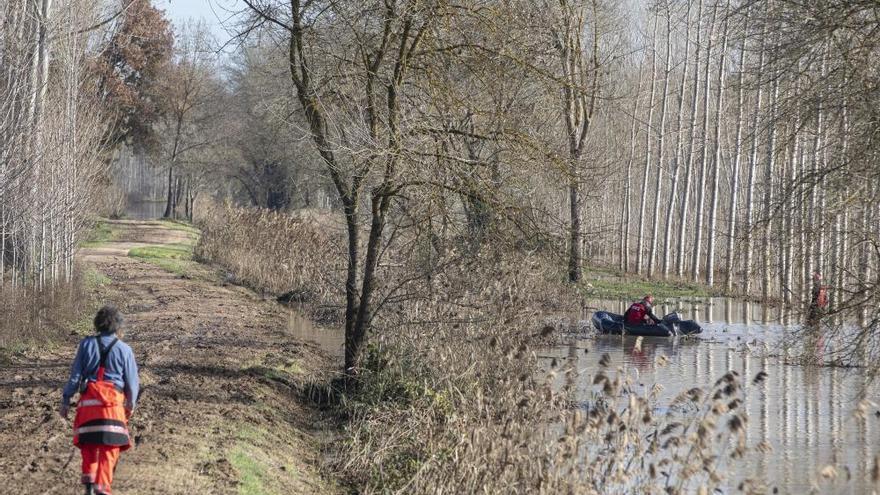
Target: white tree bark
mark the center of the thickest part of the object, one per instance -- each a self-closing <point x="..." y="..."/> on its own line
<point x="627" y="193"/>
<point x="661" y="145"/>
<point x="719" y="112"/>
<point x="704" y="166"/>
<point x="769" y="169"/>
<point x="795" y="161"/>
<point x="692" y="125"/>
<point x="753" y="167"/>
<point x="648" y="135"/>
<point x="676" y="164"/>
<point x="737" y="161"/>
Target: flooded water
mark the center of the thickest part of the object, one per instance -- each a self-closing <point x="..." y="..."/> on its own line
<point x="145" y="210"/>
<point x="331" y="340"/>
<point x="804" y="413"/>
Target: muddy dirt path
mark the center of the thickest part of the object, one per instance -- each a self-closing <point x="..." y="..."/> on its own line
<point x="218" y="413"/>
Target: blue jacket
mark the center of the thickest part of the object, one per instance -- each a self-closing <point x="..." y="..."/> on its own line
<point x="121" y="368"/>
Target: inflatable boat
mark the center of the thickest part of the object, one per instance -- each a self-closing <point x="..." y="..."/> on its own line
<point x="672" y="324"/>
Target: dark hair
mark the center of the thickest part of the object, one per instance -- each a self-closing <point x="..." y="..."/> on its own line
<point x="108" y="320"/>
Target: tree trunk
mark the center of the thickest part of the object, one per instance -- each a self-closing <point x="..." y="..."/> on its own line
<point x="841" y="225"/>
<point x="353" y="340"/>
<point x="627" y="194"/>
<point x="753" y="167"/>
<point x="719" y="111"/>
<point x="692" y="124"/>
<point x="704" y="166"/>
<point x="579" y="105"/>
<point x="648" y="136"/>
<point x="379" y="209"/>
<point x="661" y="155"/>
<point x="737" y="160"/>
<point x="768" y="187"/>
<point x="864" y="264"/>
<point x="574" y="229"/>
<point x="178" y="195"/>
<point x="676" y="166"/>
<point x="812" y="256"/>
<point x="170" y="196"/>
<point x="819" y="220"/>
<point x="788" y="222"/>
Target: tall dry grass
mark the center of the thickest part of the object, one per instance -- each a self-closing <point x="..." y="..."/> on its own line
<point x="31" y="317"/>
<point x="276" y="253"/>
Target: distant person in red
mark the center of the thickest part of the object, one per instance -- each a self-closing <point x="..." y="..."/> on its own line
<point x="818" y="300"/>
<point x="641" y="313"/>
<point x="105" y="374"/>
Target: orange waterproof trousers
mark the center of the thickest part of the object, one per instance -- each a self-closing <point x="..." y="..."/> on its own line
<point x="98" y="464"/>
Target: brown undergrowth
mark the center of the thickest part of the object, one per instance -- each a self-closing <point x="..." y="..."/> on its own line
<point x="30" y="317"/>
<point x="275" y="253"/>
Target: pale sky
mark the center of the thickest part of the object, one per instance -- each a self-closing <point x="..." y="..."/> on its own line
<point x="214" y="12"/>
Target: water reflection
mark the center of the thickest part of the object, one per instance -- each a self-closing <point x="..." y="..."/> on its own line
<point x="145" y="210"/>
<point x="804" y="413"/>
<point x="330" y="340"/>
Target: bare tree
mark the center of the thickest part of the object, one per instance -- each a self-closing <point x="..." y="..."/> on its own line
<point x="737" y="161"/>
<point x="383" y="54"/>
<point x="719" y="111"/>
<point x="692" y="125"/>
<point x="704" y="166"/>
<point x="753" y="167"/>
<point x="580" y="77"/>
<point x="49" y="140"/>
<point x="648" y="145"/>
<point x="187" y="111"/>
<point x="677" y="159"/>
<point x="661" y="146"/>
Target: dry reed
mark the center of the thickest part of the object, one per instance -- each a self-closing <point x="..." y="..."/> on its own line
<point x="31" y="317"/>
<point x="275" y="253"/>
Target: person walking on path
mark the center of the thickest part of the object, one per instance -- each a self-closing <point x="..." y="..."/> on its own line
<point x="105" y="374"/>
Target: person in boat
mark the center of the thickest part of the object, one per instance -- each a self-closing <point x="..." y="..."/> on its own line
<point x="641" y="312"/>
<point x="105" y="374"/>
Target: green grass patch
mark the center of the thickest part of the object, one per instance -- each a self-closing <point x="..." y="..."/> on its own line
<point x="84" y="325"/>
<point x="168" y="252"/>
<point x="93" y="279"/>
<point x="252" y="473"/>
<point x="101" y="234"/>
<point x="250" y="434"/>
<point x="174" y="258"/>
<point x="263" y="459"/>
<point x="181" y="226"/>
<point x="284" y="373"/>
<point x="609" y="284"/>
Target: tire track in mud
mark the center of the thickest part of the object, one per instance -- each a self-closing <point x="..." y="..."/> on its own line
<point x="213" y="412"/>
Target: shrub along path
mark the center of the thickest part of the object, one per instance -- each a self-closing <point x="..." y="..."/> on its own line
<point x="219" y="413"/>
